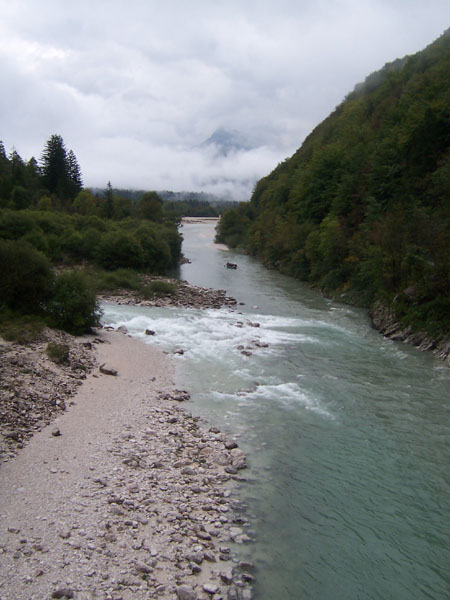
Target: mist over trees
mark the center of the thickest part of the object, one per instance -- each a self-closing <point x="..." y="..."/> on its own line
<point x="362" y="209"/>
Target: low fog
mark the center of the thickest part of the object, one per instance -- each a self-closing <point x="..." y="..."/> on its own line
<point x="136" y="88"/>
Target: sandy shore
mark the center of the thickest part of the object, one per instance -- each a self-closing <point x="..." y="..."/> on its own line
<point x="134" y="499"/>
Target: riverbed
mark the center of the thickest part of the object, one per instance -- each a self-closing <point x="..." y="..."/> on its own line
<point x="346" y="433"/>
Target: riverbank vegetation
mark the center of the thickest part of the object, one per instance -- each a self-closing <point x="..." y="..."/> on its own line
<point x="362" y="209"/>
<point x="50" y="226"/>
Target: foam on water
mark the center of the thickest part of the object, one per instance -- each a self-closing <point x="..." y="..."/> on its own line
<point x="208" y="331"/>
<point x="290" y="395"/>
<point x="212" y="342"/>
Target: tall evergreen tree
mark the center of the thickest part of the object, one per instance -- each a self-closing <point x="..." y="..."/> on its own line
<point x="74" y="172"/>
<point x="60" y="169"/>
<point x="108" y="210"/>
<point x="17" y="167"/>
<point x="5" y="176"/>
<point x="55" y="168"/>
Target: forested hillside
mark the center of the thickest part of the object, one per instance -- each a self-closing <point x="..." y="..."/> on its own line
<point x="362" y="209"/>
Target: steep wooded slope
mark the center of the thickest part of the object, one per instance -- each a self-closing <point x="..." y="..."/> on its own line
<point x="362" y="209"/>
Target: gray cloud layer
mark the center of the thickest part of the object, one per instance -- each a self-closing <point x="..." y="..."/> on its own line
<point x="135" y="87"/>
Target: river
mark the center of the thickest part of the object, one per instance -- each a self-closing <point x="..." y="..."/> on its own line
<point x="347" y="434"/>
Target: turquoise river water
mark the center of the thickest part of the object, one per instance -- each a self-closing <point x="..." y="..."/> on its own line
<point x="346" y="433"/>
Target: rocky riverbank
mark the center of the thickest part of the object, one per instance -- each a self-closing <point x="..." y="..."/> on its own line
<point x="120" y="493"/>
<point x="185" y="296"/>
<point x="35" y="388"/>
<point x="385" y="321"/>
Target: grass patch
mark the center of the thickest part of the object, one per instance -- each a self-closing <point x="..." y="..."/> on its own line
<point x="58" y="353"/>
<point x="23" y="329"/>
<point x="159" y="289"/>
<point x="101" y="280"/>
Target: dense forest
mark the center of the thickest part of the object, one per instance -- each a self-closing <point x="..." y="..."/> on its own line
<point x="362" y="209"/>
<point x="178" y="204"/>
<point x="48" y="220"/>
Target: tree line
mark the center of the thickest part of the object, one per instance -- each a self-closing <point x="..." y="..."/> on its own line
<point x="47" y="219"/>
<point x="362" y="209"/>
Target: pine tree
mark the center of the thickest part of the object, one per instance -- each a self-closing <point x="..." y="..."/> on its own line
<point x="60" y="170"/>
<point x="74" y="172"/>
<point x="17" y="167"/>
<point x="55" y="167"/>
<point x="109" y="201"/>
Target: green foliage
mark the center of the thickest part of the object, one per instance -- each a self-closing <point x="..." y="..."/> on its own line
<point x="118" y="249"/>
<point x="102" y="280"/>
<point x="84" y="203"/>
<point x="47" y="208"/>
<point x="73" y="238"/>
<point x="46" y="217"/>
<point x="156" y="249"/>
<point x="44" y="203"/>
<point x="233" y="226"/>
<point x="362" y="208"/>
<point x="25" y="277"/>
<point x="73" y="305"/>
<point x="60" y="170"/>
<point x="189" y="208"/>
<point x="108" y="202"/>
<point x="158" y="288"/>
<point x="58" y="353"/>
<point x="22" y="329"/>
<point x="149" y="207"/>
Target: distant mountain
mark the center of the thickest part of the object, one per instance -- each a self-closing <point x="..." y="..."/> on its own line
<point x="362" y="209"/>
<point x="224" y="142"/>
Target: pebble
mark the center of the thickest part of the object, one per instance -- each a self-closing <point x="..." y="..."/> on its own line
<point x="185" y="592"/>
<point x="63" y="593"/>
<point x="210" y="588"/>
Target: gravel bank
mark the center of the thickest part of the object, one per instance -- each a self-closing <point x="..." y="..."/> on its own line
<point x="124" y="495"/>
<point x="187" y="296"/>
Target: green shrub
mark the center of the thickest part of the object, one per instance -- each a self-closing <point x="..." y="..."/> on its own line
<point x="73" y="306"/>
<point x="156" y="250"/>
<point x="13" y="225"/>
<point x="121" y="278"/>
<point x="58" y="353"/>
<point x="119" y="250"/>
<point x="159" y="288"/>
<point x="101" y="280"/>
<point x="25" y="277"/>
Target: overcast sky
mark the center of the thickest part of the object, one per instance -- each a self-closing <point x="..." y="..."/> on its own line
<point x="134" y="87"/>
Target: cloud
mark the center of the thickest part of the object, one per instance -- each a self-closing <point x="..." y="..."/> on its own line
<point x="135" y="87"/>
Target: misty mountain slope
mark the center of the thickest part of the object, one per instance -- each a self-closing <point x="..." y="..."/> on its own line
<point x="223" y="142"/>
<point x="362" y="209"/>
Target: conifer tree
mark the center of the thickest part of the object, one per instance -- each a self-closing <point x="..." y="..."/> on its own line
<point x="74" y="172"/>
<point x="60" y="170"/>
<point x="55" y="166"/>
<point x="17" y="167"/>
<point x="109" y="201"/>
